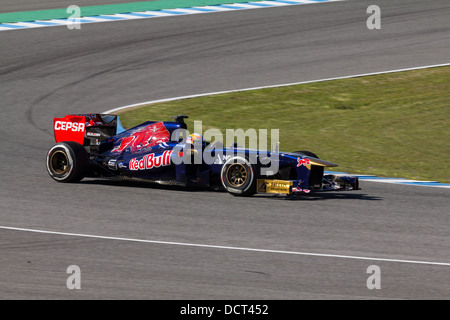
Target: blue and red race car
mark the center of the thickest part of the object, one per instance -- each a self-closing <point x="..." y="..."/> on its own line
<point x="91" y="146"/>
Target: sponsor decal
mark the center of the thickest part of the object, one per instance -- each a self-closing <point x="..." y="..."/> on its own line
<point x="69" y="126"/>
<point x="150" y="161"/>
<point x="274" y="186"/>
<point x="93" y="134"/>
<point x="303" y="162"/>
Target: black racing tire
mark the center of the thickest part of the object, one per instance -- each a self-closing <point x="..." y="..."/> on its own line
<point x="307" y="153"/>
<point x="239" y="176"/>
<point x="67" y="162"/>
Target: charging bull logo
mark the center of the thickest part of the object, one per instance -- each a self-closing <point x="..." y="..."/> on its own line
<point x="151" y="161"/>
<point x="304" y="162"/>
<point x="146" y="137"/>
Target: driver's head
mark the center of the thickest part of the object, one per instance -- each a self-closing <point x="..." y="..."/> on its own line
<point x="195" y="137"/>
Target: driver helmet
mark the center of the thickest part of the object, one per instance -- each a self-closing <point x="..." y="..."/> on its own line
<point x="194" y="137"/>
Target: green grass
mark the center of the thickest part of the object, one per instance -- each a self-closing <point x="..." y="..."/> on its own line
<point x="87" y="11"/>
<point x="395" y="125"/>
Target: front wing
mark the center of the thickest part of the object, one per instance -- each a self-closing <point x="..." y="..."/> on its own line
<point x="330" y="182"/>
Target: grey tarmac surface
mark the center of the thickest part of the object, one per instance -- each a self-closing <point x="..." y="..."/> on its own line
<point x="50" y="72"/>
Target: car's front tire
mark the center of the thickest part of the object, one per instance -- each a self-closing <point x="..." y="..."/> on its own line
<point x="67" y="162"/>
<point x="238" y="176"/>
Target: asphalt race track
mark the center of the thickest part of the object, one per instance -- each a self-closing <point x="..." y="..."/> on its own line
<point x="50" y="72"/>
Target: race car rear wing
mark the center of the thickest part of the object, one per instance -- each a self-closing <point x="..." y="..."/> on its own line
<point x="86" y="129"/>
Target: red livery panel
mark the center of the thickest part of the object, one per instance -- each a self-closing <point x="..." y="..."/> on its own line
<point x="69" y="128"/>
<point x="145" y="137"/>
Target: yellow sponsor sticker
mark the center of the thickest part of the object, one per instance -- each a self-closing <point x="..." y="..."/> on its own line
<point x="274" y="186"/>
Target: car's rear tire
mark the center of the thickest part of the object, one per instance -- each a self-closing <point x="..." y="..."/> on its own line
<point x="239" y="176"/>
<point x="67" y="162"/>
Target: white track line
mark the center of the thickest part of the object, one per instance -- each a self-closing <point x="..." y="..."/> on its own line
<point x="227" y="247"/>
<point x="272" y="86"/>
<point x="218" y="9"/>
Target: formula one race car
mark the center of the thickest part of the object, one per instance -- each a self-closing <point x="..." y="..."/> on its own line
<point x="91" y="145"/>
